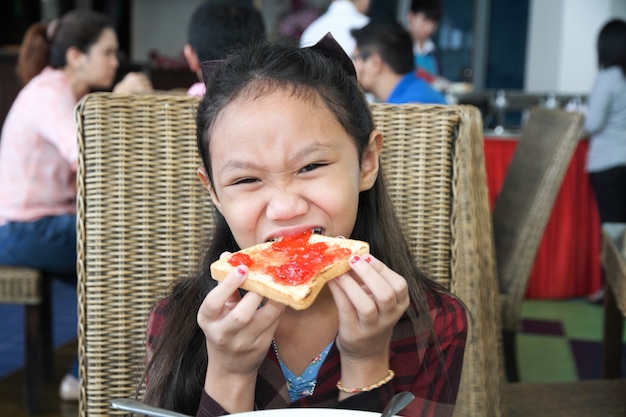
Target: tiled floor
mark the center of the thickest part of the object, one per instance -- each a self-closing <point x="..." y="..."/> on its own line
<point x="560" y="341"/>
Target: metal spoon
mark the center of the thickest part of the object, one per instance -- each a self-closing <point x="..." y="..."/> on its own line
<point x="397" y="403"/>
<point x="128" y="404"/>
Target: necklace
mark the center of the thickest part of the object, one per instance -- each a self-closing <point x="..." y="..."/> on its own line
<point x="298" y="386"/>
<point x="275" y="348"/>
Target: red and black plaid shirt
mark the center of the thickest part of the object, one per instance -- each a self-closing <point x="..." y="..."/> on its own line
<point x="414" y="358"/>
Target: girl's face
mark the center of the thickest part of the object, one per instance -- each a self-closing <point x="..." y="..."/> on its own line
<point x="283" y="164"/>
<point x="100" y="62"/>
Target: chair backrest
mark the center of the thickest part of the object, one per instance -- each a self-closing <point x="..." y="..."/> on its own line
<point x="614" y="265"/>
<point x="434" y="164"/>
<point x="523" y="207"/>
<point x="142" y="214"/>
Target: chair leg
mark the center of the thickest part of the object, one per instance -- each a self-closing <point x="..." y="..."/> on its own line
<point x="33" y="357"/>
<point x="38" y="352"/>
<point x="612" y="338"/>
<point x="45" y="321"/>
<point x="510" y="355"/>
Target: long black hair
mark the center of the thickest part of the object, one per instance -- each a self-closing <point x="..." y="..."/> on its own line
<point x="612" y="45"/>
<point x="178" y="366"/>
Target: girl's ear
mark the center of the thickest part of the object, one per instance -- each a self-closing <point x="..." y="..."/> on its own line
<point x="370" y="163"/>
<point x="204" y="179"/>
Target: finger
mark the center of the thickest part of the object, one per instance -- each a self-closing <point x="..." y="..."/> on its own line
<point x="269" y="313"/>
<point x="259" y="322"/>
<point x="396" y="281"/>
<point x="225" y="255"/>
<point x="342" y="301"/>
<point x="385" y="285"/>
<point x="362" y="301"/>
<point x="244" y="312"/>
<point x="225" y="291"/>
<point x="233" y="300"/>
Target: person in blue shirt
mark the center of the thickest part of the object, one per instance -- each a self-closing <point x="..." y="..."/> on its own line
<point x="384" y="63"/>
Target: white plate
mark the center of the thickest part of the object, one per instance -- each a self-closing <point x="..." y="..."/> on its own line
<point x="129" y="404"/>
<point x="307" y="412"/>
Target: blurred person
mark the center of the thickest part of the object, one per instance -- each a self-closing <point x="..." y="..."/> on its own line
<point x="383" y="59"/>
<point x="217" y="27"/>
<point x="423" y="19"/>
<point x="58" y="63"/>
<point x="301" y="14"/>
<point x="341" y="17"/>
<point x="605" y="124"/>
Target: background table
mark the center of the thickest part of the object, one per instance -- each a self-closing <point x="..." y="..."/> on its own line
<point x="568" y="263"/>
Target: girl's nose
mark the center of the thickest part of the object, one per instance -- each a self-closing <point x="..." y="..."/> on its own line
<point x="286" y="205"/>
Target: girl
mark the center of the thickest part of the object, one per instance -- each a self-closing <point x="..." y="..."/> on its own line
<point x="288" y="144"/>
<point x="58" y="63"/>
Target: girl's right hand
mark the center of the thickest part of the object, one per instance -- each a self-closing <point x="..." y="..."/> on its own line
<point x="238" y="333"/>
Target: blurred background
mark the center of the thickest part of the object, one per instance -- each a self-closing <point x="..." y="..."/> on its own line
<point x="524" y="52"/>
<point x="513" y="53"/>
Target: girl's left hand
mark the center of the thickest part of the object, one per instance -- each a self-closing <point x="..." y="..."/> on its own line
<point x="370" y="300"/>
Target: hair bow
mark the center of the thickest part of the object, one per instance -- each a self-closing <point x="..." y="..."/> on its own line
<point x="329" y="47"/>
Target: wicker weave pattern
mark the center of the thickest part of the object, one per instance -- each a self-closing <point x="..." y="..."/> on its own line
<point x="614" y="265"/>
<point x="20" y="285"/>
<point x="528" y="193"/>
<point x="434" y="163"/>
<point x="413" y="194"/>
<point x="142" y="214"/>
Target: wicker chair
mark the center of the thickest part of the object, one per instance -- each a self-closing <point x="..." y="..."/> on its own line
<point x="142" y="214"/>
<point x="523" y="207"/>
<point x="434" y="165"/>
<point x="31" y="288"/>
<point x="520" y="215"/>
<point x="614" y="264"/>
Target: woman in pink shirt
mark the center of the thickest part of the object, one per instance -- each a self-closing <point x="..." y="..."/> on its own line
<point x="58" y="63"/>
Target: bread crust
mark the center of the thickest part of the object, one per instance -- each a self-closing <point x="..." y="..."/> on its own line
<point x="301" y="296"/>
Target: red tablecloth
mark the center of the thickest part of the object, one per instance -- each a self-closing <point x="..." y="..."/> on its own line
<point x="568" y="261"/>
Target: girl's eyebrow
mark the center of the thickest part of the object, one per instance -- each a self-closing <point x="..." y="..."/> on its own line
<point x="319" y="148"/>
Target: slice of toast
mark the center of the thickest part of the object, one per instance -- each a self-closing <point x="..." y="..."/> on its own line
<point x="292" y="270"/>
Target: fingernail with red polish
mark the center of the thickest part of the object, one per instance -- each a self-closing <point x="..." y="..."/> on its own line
<point x="241" y="271"/>
<point x="368" y="259"/>
<point x="355" y="259"/>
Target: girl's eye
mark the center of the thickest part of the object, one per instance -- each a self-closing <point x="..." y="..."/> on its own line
<point x="245" y="181"/>
<point x="311" y="167"/>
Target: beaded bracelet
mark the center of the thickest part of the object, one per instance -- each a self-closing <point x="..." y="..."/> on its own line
<point x="378" y="384"/>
